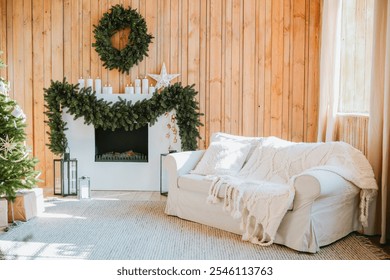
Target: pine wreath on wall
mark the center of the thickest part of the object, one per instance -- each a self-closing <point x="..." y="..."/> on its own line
<point x="117" y="19"/>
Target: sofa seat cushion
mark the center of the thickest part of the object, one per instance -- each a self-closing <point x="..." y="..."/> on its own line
<point x="197" y="183"/>
<point x="340" y="192"/>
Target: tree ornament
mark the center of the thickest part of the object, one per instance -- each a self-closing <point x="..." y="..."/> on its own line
<point x="18" y="113"/>
<point x="7" y="145"/>
<point x="4" y="87"/>
<point x="117" y="19"/>
<point x="164" y="79"/>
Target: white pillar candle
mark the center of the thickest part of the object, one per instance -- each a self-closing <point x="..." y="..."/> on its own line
<point x="131" y="89"/>
<point x="98" y="86"/>
<point x="137" y="82"/>
<point x="109" y="89"/>
<point x="152" y="89"/>
<point x="90" y="83"/>
<point x="145" y="85"/>
<point x="105" y="89"/>
<point x="137" y="90"/>
<point x="81" y="83"/>
<point x="127" y="89"/>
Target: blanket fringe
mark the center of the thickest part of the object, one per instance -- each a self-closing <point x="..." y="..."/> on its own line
<point x="366" y="197"/>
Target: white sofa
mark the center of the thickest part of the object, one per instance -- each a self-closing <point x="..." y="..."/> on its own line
<point x="325" y="207"/>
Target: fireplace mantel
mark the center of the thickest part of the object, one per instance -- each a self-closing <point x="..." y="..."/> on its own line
<point x="117" y="175"/>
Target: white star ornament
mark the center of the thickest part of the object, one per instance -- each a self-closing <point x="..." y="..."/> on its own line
<point x="163" y="80"/>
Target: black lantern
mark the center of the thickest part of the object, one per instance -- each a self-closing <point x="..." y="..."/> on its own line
<point x="65" y="176"/>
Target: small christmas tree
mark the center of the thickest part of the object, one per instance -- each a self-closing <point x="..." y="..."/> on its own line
<point x="17" y="167"/>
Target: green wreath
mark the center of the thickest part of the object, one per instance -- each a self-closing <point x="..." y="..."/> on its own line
<point x="116" y="19"/>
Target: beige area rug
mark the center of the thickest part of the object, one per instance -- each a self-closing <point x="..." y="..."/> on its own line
<point x="127" y="230"/>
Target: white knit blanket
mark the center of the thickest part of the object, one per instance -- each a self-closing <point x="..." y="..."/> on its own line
<point x="261" y="194"/>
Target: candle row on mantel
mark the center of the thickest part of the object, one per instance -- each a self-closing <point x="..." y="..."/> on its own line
<point x="139" y="88"/>
<point x="97" y="86"/>
<point x="107" y="89"/>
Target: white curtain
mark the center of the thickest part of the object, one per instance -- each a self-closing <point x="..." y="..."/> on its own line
<point x="329" y="69"/>
<point x="379" y="123"/>
<point x="379" y="118"/>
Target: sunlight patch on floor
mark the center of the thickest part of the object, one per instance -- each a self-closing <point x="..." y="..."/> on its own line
<point x="23" y="250"/>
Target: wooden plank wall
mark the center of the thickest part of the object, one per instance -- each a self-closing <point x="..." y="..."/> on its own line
<point x="255" y="63"/>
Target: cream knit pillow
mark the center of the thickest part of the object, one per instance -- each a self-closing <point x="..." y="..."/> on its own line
<point x="223" y="158"/>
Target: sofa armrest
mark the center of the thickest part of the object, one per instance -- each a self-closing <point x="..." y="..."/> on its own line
<point x="177" y="164"/>
<point x="313" y="183"/>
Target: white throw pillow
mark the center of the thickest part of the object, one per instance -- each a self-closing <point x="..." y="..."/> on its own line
<point x="222" y="158"/>
<point x="253" y="141"/>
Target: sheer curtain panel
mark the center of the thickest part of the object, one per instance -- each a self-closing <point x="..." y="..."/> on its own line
<point x="379" y="123"/>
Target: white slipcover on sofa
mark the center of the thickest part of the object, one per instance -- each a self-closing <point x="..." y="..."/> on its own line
<point x="301" y="195"/>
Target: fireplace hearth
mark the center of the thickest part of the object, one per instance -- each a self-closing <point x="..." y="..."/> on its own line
<point x="121" y="145"/>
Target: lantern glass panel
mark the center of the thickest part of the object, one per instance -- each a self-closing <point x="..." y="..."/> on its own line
<point x="57" y="177"/>
<point x="65" y="177"/>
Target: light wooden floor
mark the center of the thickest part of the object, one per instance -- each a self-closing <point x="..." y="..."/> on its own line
<point x="129" y="195"/>
<point x="155" y="196"/>
<point x="122" y="195"/>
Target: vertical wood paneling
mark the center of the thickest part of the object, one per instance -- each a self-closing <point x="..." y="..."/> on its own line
<point x="74" y="30"/>
<point x="39" y="147"/>
<point x="28" y="69"/>
<point x="193" y="44"/>
<point x="9" y="42"/>
<point x="236" y="107"/>
<point x="254" y="63"/>
<point x="248" y="68"/>
<point x="268" y="69"/>
<point x="3" y="35"/>
<point x="17" y="76"/>
<point x="95" y="60"/>
<point x="57" y="48"/>
<point x="286" y="90"/>
<point x="215" y="63"/>
<point x="47" y="72"/>
<point x="142" y="65"/>
<point x="277" y="67"/>
<point x="151" y="64"/>
<point x="260" y="61"/>
<point x="313" y="71"/>
<point x="203" y="72"/>
<point x="227" y="85"/>
<point x="184" y="14"/>
<point x="67" y="14"/>
<point x="298" y="74"/>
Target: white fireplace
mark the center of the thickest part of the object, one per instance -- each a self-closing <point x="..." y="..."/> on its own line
<point x="141" y="175"/>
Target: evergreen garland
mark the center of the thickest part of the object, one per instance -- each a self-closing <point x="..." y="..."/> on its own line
<point x="121" y="114"/>
<point x="116" y="19"/>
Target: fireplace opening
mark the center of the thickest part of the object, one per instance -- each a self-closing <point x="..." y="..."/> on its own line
<point x="121" y="145"/>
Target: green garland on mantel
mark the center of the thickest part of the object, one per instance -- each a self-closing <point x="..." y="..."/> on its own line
<point x="121" y="114"/>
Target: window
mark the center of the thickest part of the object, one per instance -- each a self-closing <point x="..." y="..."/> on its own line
<point x="355" y="56"/>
